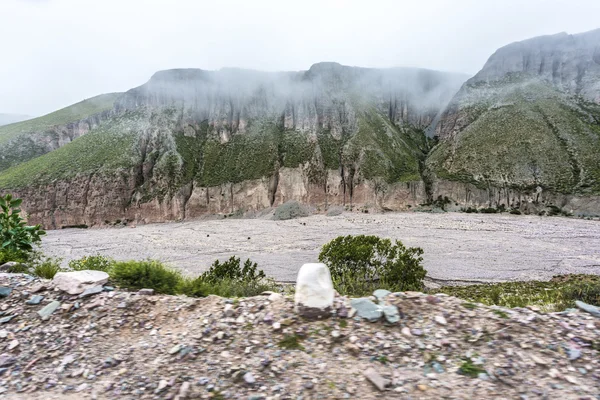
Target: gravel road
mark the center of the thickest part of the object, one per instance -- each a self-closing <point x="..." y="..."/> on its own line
<point x="458" y="246"/>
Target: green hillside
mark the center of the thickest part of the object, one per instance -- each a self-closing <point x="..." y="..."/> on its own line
<point x="63" y="116"/>
<point x="523" y="134"/>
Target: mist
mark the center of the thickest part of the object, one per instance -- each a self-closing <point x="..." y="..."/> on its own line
<point x="59" y="52"/>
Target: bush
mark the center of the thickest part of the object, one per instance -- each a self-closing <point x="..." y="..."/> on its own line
<point x="361" y="264"/>
<point x="15" y="235"/>
<point x="10" y="255"/>
<point x="146" y="274"/>
<point x="229" y="279"/>
<point x="96" y="263"/>
<point x="46" y="268"/>
<point x="232" y="270"/>
<point x="515" y="211"/>
<point x="290" y="210"/>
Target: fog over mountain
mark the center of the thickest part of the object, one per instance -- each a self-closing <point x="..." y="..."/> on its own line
<point x="60" y="52"/>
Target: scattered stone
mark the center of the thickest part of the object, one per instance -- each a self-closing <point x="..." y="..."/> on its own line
<point x="184" y="390"/>
<point x="13" y="344"/>
<point x="175" y="349"/>
<point x="275" y="297"/>
<point x="573" y="353"/>
<point x="406" y="332"/>
<point x="7" y="266"/>
<point x="49" y="309"/>
<point x="249" y="378"/>
<point x="6" y="319"/>
<point x="162" y="385"/>
<point x="314" y="291"/>
<point x="595" y="311"/>
<point x="366" y="309"/>
<point x="6" y="360"/>
<point x="35" y="300"/>
<point x="381" y="294"/>
<point x="440" y="320"/>
<point x="146" y="292"/>
<point x="76" y="282"/>
<point x="391" y="313"/>
<point x="90" y="291"/>
<point x="5" y="291"/>
<point x="276" y="326"/>
<point x="377" y="380"/>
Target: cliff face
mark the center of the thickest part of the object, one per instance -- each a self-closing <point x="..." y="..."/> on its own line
<point x="191" y="142"/>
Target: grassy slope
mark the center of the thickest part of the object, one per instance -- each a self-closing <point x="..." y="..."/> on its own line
<point x="66" y="115"/>
<point x="106" y="148"/>
<point x="527" y="135"/>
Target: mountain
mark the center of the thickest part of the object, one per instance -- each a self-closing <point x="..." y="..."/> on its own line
<point x="6" y="119"/>
<point x="524" y="132"/>
<point x="526" y="128"/>
<point x="190" y="142"/>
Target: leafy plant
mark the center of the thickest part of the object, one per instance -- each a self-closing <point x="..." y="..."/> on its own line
<point x="149" y="274"/>
<point x="15" y="235"/>
<point x="291" y="342"/>
<point x="232" y="269"/>
<point x="468" y="368"/>
<point x="96" y="263"/>
<point x="360" y="264"/>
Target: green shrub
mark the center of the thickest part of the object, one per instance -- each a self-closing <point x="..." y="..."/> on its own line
<point x="15" y="235"/>
<point x="229" y="279"/>
<point x="556" y="295"/>
<point x="488" y="210"/>
<point x="290" y="210"/>
<point x="149" y="274"/>
<point x="46" y="268"/>
<point x="7" y="255"/>
<point x="361" y="264"/>
<point x="96" y="263"/>
<point x="515" y="211"/>
<point x="232" y="270"/>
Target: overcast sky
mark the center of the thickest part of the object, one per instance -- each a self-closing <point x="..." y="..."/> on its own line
<point x="57" y="52"/>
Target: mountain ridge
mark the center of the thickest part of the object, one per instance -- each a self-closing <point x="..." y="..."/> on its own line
<point x="194" y="142"/>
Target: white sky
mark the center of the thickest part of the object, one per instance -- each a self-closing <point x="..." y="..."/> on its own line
<point x="57" y="52"/>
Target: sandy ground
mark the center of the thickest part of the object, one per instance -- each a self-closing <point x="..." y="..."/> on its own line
<point x="458" y="247"/>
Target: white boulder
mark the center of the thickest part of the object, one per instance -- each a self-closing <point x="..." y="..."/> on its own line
<point x="314" y="291"/>
<point x="76" y="282"/>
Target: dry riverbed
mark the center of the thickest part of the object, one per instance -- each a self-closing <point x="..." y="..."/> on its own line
<point x="458" y="247"/>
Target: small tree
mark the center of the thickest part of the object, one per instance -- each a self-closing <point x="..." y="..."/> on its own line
<point x="15" y="235"/>
<point x="360" y="264"/>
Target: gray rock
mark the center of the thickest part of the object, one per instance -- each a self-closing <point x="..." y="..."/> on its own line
<point x="91" y="291"/>
<point x="381" y="294"/>
<point x="595" y="311"/>
<point x="249" y="378"/>
<point x="35" y="300"/>
<point x="5" y="291"/>
<point x="49" y="309"/>
<point x="573" y="353"/>
<point x="6" y="360"/>
<point x="366" y="309"/>
<point x="6" y="319"/>
<point x="76" y="282"/>
<point x="146" y="292"/>
<point x="391" y="313"/>
<point x="7" y="266"/>
<point x="377" y="380"/>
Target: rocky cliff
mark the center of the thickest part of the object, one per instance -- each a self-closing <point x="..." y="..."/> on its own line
<point x="191" y="142"/>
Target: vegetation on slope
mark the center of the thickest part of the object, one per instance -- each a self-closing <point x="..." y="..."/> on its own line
<point x="524" y="135"/>
<point x="107" y="148"/>
<point x="64" y="116"/>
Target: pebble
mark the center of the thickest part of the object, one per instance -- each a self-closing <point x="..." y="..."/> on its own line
<point x="35" y="300"/>
<point x="366" y="309"/>
<point x="5" y="291"/>
<point x="376" y="379"/>
<point x="49" y="309"/>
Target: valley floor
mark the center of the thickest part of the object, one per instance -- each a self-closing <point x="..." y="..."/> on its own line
<point x="458" y="246"/>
